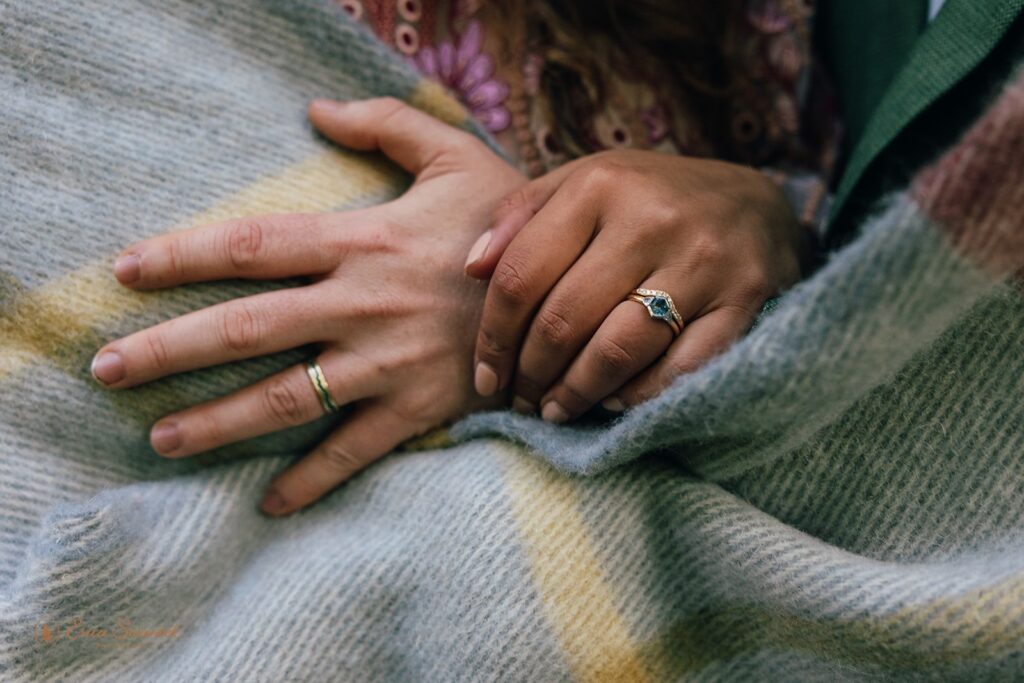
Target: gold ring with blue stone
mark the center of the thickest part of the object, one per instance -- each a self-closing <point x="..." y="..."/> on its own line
<point x="659" y="306"/>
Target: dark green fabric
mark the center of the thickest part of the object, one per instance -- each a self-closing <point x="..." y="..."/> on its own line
<point x="946" y="81"/>
<point x="868" y="42"/>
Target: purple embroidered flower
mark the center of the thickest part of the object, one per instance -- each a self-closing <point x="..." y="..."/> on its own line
<point x="784" y="57"/>
<point x="532" y="68"/>
<point x="656" y="120"/>
<point x="766" y="16"/>
<point x="469" y="72"/>
<point x="466" y="8"/>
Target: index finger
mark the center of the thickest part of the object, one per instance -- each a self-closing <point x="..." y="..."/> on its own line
<point x="538" y="256"/>
<point x="265" y="247"/>
<point x="511" y="216"/>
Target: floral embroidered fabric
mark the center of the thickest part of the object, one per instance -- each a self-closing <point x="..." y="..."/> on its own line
<point x="453" y="43"/>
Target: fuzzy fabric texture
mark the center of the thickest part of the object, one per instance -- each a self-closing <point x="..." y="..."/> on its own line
<point x="841" y="495"/>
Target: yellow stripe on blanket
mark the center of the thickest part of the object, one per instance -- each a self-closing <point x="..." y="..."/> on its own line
<point x="577" y="598"/>
<point x="52" y="320"/>
<point x="432" y="98"/>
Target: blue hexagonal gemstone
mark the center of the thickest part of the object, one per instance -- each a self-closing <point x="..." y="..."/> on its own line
<point x="658" y="305"/>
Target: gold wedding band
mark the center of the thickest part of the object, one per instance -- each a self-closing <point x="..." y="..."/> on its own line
<point x="323" y="392"/>
<point x="659" y="306"/>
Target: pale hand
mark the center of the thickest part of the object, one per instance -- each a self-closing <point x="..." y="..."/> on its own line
<point x="389" y="304"/>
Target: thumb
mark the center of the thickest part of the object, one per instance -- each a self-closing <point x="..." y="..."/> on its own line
<point x="406" y="135"/>
<point x="512" y="214"/>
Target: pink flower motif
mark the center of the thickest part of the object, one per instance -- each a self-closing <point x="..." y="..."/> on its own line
<point x="465" y="69"/>
<point x="784" y="57"/>
<point x="532" y="68"/>
<point x="656" y="120"/>
<point x="766" y="16"/>
<point x="786" y="111"/>
<point x="466" y="8"/>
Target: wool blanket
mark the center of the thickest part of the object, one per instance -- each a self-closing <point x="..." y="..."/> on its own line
<point x="839" y="496"/>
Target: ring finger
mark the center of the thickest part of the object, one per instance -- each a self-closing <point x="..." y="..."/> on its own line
<point x="284" y="400"/>
<point x="628" y="341"/>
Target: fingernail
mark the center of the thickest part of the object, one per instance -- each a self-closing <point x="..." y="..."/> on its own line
<point x="521" y="405"/>
<point x="553" y="412"/>
<point x="126" y="269"/>
<point x="272" y="503"/>
<point x="614" y="404"/>
<point x="165" y="437"/>
<point x="107" y="367"/>
<point x="479" y="248"/>
<point x="485" y="380"/>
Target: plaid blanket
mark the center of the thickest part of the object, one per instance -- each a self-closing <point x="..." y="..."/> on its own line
<point x="841" y="495"/>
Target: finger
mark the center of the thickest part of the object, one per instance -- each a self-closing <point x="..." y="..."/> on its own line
<point x="371" y="432"/>
<point x="570" y="315"/>
<point x="512" y="214"/>
<point x="264" y="247"/>
<point x="628" y="341"/>
<point x="409" y="137"/>
<point x="283" y="400"/>
<point x="701" y="340"/>
<point x="243" y="328"/>
<point x="532" y="264"/>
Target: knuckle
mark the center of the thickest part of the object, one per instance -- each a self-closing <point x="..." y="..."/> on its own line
<point x="381" y="304"/>
<point x="391" y="111"/>
<point x="743" y="315"/>
<point x="388" y="235"/>
<point x="340" y="458"/>
<point x="282" y="404"/>
<point x="383" y="236"/>
<point x="613" y="359"/>
<point x="707" y="250"/>
<point x="159" y="354"/>
<point x="553" y="328"/>
<point x="677" y="366"/>
<point x="756" y="285"/>
<point x="206" y="428"/>
<point x="387" y="110"/>
<point x="575" y="396"/>
<point x="665" y="214"/>
<point x="510" y="283"/>
<point x="244" y="243"/>
<point x="338" y="247"/>
<point x="175" y="251"/>
<point x="491" y="346"/>
<point x="599" y="176"/>
<point x="238" y="328"/>
<point x="640" y="395"/>
<point x="388" y="105"/>
<point x="512" y="203"/>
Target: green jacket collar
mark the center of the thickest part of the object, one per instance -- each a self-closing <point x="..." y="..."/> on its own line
<point x="959" y="38"/>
